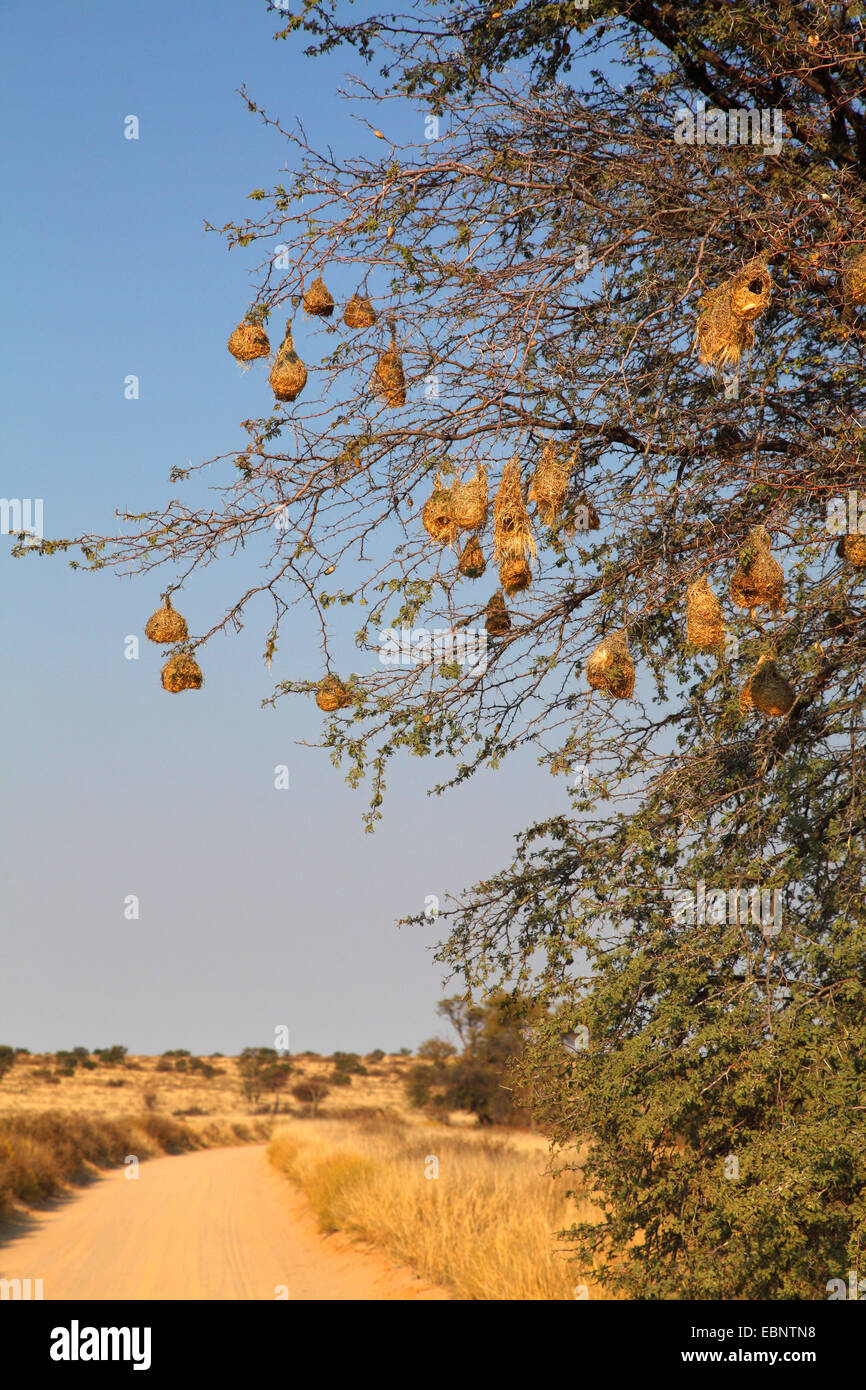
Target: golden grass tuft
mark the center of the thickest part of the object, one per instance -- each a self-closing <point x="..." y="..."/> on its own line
<point x="485" y="1227"/>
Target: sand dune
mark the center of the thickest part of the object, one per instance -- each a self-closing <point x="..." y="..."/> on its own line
<point x="218" y="1224"/>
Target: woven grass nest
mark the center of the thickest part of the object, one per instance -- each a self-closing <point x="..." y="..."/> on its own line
<point x="288" y="374"/>
<point x="759" y="580"/>
<point x="165" y="625"/>
<point x="767" y="691"/>
<point x="515" y="574"/>
<point x="181" y="672"/>
<point x="472" y="563"/>
<point x="550" y="481"/>
<point x="498" y="619"/>
<point x="331" y="695"/>
<point x="512" y="533"/>
<point x="359" y="313"/>
<point x="705" y="624"/>
<point x="388" y="379"/>
<point x="318" y="300"/>
<point x="853" y="549"/>
<point x="437" y="516"/>
<point x="249" y="341"/>
<point x="610" y="667"/>
<point x="854" y="280"/>
<point x="726" y="314"/>
<point x="469" y="502"/>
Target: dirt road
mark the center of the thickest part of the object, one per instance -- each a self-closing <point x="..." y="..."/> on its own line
<point x="220" y="1224"/>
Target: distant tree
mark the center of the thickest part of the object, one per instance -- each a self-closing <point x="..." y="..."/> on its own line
<point x="350" y="1063"/>
<point x="7" y="1059"/>
<point x="110" y="1055"/>
<point x="311" y="1091"/>
<point x="436" y="1050"/>
<point x="377" y="1055"/>
<point x="275" y="1078"/>
<point x="253" y="1066"/>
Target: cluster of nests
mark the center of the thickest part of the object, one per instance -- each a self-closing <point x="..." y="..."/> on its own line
<point x="758" y="581"/>
<point x="288" y="375"/>
<point x="726" y="314"/>
<point x="462" y="508"/>
<point x="166" y="627"/>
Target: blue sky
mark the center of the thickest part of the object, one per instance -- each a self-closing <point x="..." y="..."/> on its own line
<point x="258" y="908"/>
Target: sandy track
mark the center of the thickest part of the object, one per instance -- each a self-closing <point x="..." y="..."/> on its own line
<point x="220" y="1224"/>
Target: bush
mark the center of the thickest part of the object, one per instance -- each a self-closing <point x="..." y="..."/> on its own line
<point x="89" y="1065"/>
<point x="350" y="1063"/>
<point x="110" y="1055"/>
<point x="341" y="1078"/>
<point x="164" y="1065"/>
<point x="377" y="1055"/>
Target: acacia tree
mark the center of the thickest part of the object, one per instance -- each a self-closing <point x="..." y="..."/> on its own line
<point x="541" y="264"/>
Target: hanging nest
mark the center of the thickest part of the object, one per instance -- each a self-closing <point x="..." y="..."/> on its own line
<point x="512" y="534"/>
<point x="249" y="341"/>
<point x="769" y="692"/>
<point x="550" y="481"/>
<point x="388" y="380"/>
<point x="469" y="501"/>
<point x="854" y="280"/>
<point x="165" y="625"/>
<point x="726" y="314"/>
<point x="318" y="300"/>
<point x="438" y="515"/>
<point x="705" y="625"/>
<point x="610" y="667"/>
<point x="288" y="374"/>
<point x="515" y="574"/>
<point x="853" y="549"/>
<point x="181" y="672"/>
<point x="472" y="563"/>
<point x="359" y="313"/>
<point x="758" y="581"/>
<point x="331" y="695"/>
<point x="498" y="620"/>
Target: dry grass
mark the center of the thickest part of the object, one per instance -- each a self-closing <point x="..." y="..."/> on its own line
<point x="41" y="1154"/>
<point x="485" y="1227"/>
<point x="186" y="1094"/>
